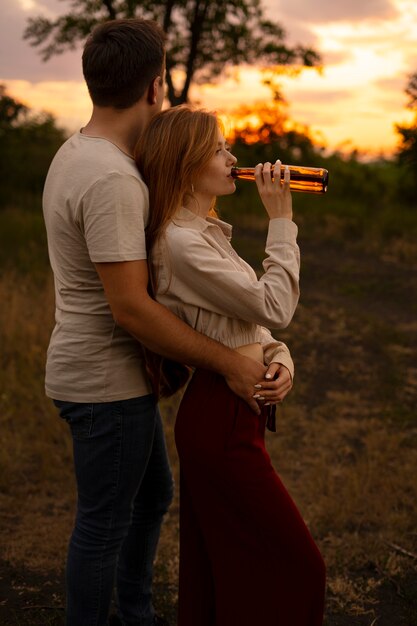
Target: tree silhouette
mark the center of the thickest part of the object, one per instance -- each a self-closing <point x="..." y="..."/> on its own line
<point x="407" y="151"/>
<point x="10" y="110"/>
<point x="28" y="142"/>
<point x="411" y="91"/>
<point x="206" y="38"/>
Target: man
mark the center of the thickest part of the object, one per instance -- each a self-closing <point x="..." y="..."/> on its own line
<point x="95" y="209"/>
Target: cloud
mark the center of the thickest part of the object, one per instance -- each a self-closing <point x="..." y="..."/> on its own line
<point x="18" y="60"/>
<point x="67" y="101"/>
<point x="393" y="84"/>
<point x="368" y="47"/>
<point x="336" y="57"/>
<point x="324" y="11"/>
<point x="330" y="96"/>
<point x="295" y="31"/>
<point x="391" y="95"/>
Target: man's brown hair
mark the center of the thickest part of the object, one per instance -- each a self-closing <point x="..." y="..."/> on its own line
<point x="120" y="60"/>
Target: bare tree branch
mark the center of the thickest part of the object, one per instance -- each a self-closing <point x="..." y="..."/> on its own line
<point x="205" y="37"/>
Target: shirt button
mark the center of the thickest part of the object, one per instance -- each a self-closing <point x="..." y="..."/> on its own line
<point x="231" y="252"/>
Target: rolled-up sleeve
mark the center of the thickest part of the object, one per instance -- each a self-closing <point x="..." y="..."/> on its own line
<point x="210" y="277"/>
<point x="276" y="351"/>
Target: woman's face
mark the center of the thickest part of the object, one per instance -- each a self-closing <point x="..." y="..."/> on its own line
<point x="216" y="179"/>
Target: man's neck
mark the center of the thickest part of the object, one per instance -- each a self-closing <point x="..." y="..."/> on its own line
<point x="121" y="127"/>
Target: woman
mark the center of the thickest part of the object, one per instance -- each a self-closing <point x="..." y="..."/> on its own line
<point x="246" y="556"/>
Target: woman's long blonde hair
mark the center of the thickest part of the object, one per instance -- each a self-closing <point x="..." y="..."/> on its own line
<point x="171" y="154"/>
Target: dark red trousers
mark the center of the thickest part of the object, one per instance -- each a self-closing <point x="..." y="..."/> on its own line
<point x="246" y="556"/>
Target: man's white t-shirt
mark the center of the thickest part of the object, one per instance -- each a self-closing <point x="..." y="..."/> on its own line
<point x="95" y="208"/>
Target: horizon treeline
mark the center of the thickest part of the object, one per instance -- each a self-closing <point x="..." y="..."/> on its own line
<point x="377" y="196"/>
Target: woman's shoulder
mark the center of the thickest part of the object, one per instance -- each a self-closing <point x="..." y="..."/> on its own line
<point x="179" y="237"/>
<point x="189" y="235"/>
<point x="181" y="231"/>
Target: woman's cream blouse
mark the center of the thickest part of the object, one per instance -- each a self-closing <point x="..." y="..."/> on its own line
<point x="203" y="281"/>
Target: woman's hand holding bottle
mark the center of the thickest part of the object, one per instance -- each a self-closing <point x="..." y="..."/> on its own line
<point x="275" y="195"/>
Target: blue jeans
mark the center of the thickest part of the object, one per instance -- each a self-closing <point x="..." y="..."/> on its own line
<point x="125" y="487"/>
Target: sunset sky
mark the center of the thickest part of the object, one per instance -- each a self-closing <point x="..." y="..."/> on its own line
<point x="369" y="47"/>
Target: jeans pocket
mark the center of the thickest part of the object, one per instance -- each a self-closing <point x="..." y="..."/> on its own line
<point x="79" y="416"/>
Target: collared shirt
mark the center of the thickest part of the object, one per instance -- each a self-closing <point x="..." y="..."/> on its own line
<point x="201" y="278"/>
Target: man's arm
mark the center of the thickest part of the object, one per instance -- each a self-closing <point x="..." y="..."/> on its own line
<point x="125" y="285"/>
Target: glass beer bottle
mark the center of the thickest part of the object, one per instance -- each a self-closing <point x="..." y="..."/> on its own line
<point x="308" y="179"/>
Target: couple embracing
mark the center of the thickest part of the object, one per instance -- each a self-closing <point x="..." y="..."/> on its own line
<point x="151" y="296"/>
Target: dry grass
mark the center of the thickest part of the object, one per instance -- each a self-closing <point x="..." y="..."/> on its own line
<point x="35" y="454"/>
<point x="30" y="430"/>
<point x="345" y="446"/>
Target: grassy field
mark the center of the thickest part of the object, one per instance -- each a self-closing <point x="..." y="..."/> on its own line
<point x="346" y="445"/>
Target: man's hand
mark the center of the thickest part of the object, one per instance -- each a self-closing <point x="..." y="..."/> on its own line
<point x="275" y="385"/>
<point x="242" y="380"/>
<point x="125" y="284"/>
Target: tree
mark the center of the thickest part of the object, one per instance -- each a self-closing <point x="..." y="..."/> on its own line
<point x="407" y="151"/>
<point x="411" y="91"/>
<point x="206" y="38"/>
<point x="28" y="142"/>
<point x="10" y="110"/>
